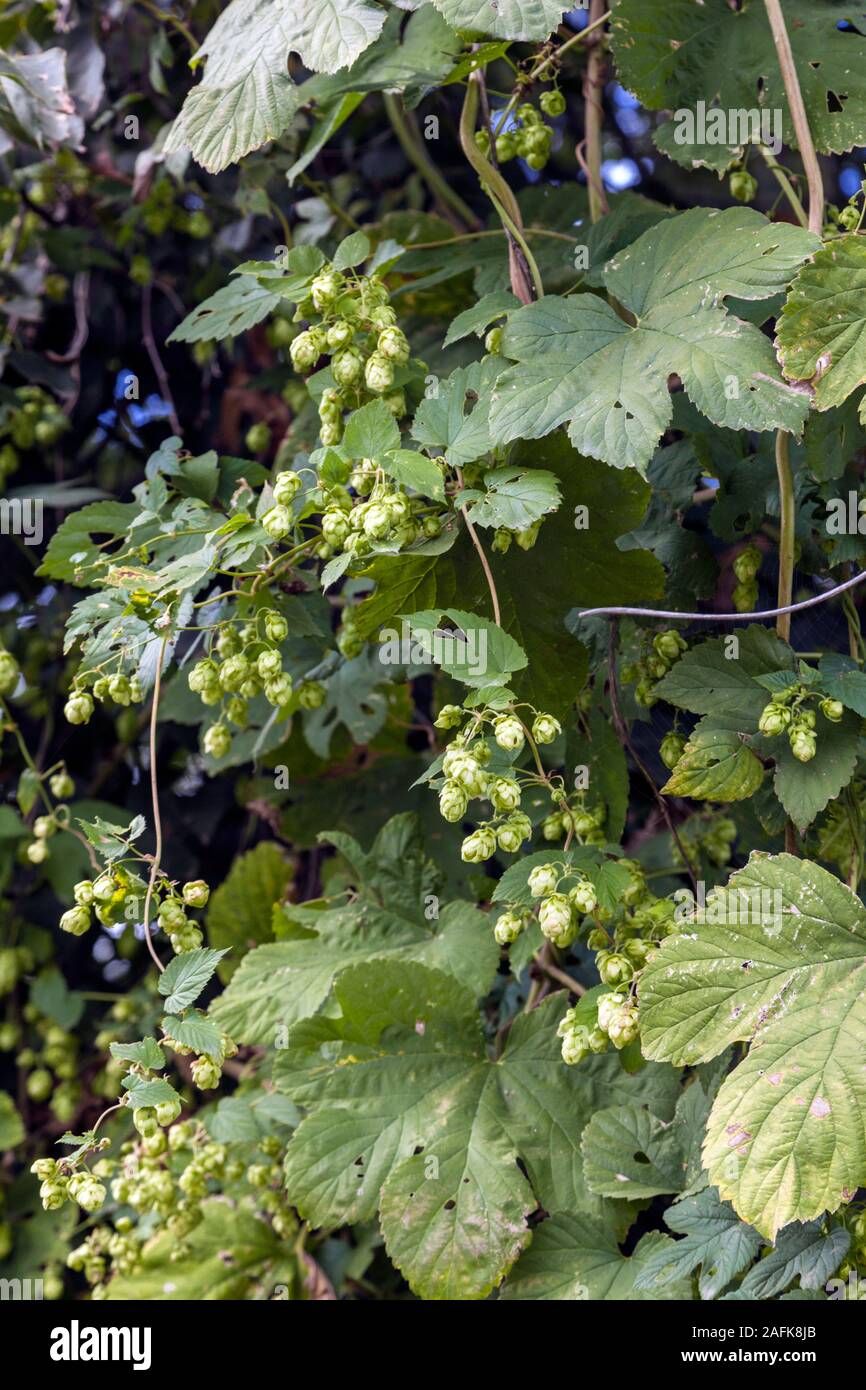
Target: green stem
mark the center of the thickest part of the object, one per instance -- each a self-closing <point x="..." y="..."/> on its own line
<point x="501" y="195"/>
<point x="520" y="238"/>
<point x="799" y="119"/>
<point x="593" y="116"/>
<point x="781" y="176"/>
<point x="406" y="131"/>
<point x="786" y="537"/>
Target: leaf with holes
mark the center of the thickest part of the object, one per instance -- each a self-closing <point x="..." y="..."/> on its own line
<point x="715" y="1241"/>
<point x="821" y="333"/>
<point x="575" y="1257"/>
<point x="406" y="1111"/>
<point x="701" y="59"/>
<point x="780" y="962"/>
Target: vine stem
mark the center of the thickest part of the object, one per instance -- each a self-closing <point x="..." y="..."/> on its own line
<point x="786" y="538"/>
<point x="155" y="359"/>
<point x="593" y="114"/>
<point x="781" y="176"/>
<point x="406" y="131"/>
<point x="154" y="797"/>
<point x="622" y="729"/>
<point x="485" y="563"/>
<point x="555" y="56"/>
<point x="673" y="614"/>
<point x="798" y="114"/>
<point x="525" y="278"/>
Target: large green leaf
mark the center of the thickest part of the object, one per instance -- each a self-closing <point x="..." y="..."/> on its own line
<point x="674" y="53"/>
<point x="246" y="96"/>
<point x="407" y="1112"/>
<point x="574" y="1257"/>
<point x="536" y="598"/>
<point x="394" y="890"/>
<point x="630" y="1153"/>
<point x="812" y="1253"/>
<point x="720" y="675"/>
<point x="240" y="913"/>
<point x="532" y="20"/>
<point x="804" y="789"/>
<point x="36" y="105"/>
<point x="821" y="334"/>
<point x="715" y="766"/>
<point x="73" y="549"/>
<point x="239" y="305"/>
<point x="714" y="1240"/>
<point x="780" y="962"/>
<point x="579" y="361"/>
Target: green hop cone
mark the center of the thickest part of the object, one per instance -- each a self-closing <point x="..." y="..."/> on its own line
<point x="583" y="896"/>
<point x="832" y="710"/>
<point x="277" y="522"/>
<point x="671" y="749"/>
<point x="167" y="1112"/>
<point x="774" y="719"/>
<point x="623" y="1026"/>
<point x="545" y="728"/>
<point x="614" y="969"/>
<point x="669" y="645"/>
<point x="552" y="103"/>
<point x="553" y="826"/>
<point x="287" y="485"/>
<point x="509" y="838"/>
<point x="493" y="344"/>
<point x="53" y="1194"/>
<point x="61" y="785"/>
<point x="347" y="366"/>
<point x="335" y="527"/>
<point x="556" y="918"/>
<point x="311" y="695"/>
<point x="206" y="1073"/>
<point x="478" y="846"/>
<point x="804" y="744"/>
<point x="508" y="733"/>
<point x="276" y="627"/>
<point x="269" y="665"/>
<point x="575" y="1045"/>
<point x="326" y="289"/>
<point x="745" y="596"/>
<point x="453" y="802"/>
<point x="76" y="921"/>
<point x="304" y="352"/>
<point x="9" y="673"/>
<point x="543" y="880"/>
<point x="217" y="741"/>
<point x="449" y="717"/>
<point x="340" y="334"/>
<point x="393" y="345"/>
<point x="504" y="793"/>
<point x="78" y="708"/>
<point x="377" y="521"/>
<point x="747" y="564"/>
<point x="196" y="893"/>
<point x="258" y="437"/>
<point x="378" y="373"/>
<point x="742" y="186"/>
<point x="508" y="927"/>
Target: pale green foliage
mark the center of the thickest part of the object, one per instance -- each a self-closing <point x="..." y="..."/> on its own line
<point x="785" y="1136"/>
